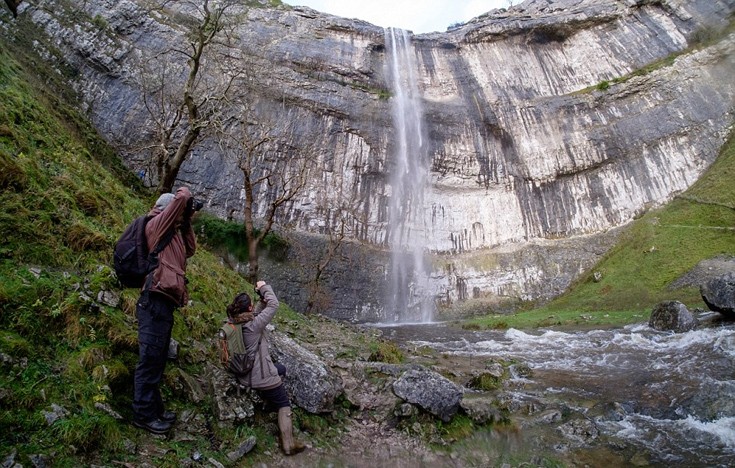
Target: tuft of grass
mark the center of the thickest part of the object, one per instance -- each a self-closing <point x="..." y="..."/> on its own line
<point x="87" y="432"/>
<point x="460" y="427"/>
<point x="486" y="381"/>
<point x="386" y="351"/>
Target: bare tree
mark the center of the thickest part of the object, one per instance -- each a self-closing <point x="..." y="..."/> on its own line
<point x="340" y="208"/>
<point x="184" y="88"/>
<point x="317" y="297"/>
<point x="274" y="166"/>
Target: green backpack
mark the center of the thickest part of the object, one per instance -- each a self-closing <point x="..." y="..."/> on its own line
<point x="233" y="354"/>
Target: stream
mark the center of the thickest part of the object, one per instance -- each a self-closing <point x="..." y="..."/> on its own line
<point x="632" y="395"/>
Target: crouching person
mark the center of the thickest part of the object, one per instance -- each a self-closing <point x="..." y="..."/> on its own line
<point x="256" y="369"/>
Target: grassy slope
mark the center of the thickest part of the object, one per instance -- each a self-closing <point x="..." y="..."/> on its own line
<point x="655" y="250"/>
<point x="65" y="199"/>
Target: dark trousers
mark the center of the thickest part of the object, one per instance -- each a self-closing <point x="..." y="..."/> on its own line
<point x="155" y="321"/>
<point x="276" y="397"/>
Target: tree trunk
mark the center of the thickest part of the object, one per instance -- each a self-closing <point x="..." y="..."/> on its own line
<point x="252" y="260"/>
<point x="172" y="165"/>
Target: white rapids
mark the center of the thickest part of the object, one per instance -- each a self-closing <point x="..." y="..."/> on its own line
<point x="674" y="393"/>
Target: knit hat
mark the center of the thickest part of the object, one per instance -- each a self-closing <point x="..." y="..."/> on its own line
<point x="164" y="200"/>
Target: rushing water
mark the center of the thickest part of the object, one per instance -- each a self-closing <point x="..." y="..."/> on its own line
<point x="663" y="399"/>
<point x="409" y="296"/>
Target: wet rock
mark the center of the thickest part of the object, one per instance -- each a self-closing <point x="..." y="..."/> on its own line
<point x="231" y="401"/>
<point x="106" y="408"/>
<point x="242" y="450"/>
<point x="109" y="298"/>
<point x="310" y="383"/>
<point x="191" y="386"/>
<point x="485" y="381"/>
<point x="521" y="370"/>
<point x="495" y="369"/>
<point x="9" y="461"/>
<point x="431" y="391"/>
<point x="550" y="416"/>
<point x="613" y="411"/>
<point x="580" y="430"/>
<point x="672" y="316"/>
<point x="480" y="407"/>
<point x="57" y="412"/>
<point x="405" y="410"/>
<point x="719" y="294"/>
<point x="39" y="461"/>
<point x="519" y="403"/>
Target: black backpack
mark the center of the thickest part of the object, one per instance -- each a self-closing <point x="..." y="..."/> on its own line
<point x="132" y="261"/>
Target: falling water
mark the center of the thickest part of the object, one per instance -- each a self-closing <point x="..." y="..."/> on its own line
<point x="409" y="297"/>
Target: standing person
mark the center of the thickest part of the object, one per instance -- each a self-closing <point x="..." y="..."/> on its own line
<point x="164" y="290"/>
<point x="265" y="375"/>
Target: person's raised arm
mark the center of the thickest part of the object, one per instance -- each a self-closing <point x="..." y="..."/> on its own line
<point x="168" y="218"/>
<point x="268" y="311"/>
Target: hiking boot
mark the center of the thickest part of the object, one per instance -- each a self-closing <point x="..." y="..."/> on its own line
<point x="168" y="416"/>
<point x="289" y="445"/>
<point x="155" y="426"/>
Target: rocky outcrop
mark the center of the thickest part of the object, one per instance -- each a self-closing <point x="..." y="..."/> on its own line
<point x="547" y="122"/>
<point x="312" y="385"/>
<point x="719" y="294"/>
<point x="431" y="391"/>
<point x="672" y="316"/>
<point x="705" y="271"/>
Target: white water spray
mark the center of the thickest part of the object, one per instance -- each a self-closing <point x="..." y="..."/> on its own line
<point x="409" y="296"/>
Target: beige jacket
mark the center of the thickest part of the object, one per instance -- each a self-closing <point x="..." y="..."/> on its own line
<point x="264" y="375"/>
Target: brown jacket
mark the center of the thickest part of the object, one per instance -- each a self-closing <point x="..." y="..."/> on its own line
<point x="170" y="276"/>
<point x="264" y="375"/>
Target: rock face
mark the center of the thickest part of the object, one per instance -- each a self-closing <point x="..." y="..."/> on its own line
<point x="719" y="294"/>
<point x="539" y="129"/>
<point x="672" y="316"/>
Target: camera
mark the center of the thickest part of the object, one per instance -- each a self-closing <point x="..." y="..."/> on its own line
<point x="194" y="205"/>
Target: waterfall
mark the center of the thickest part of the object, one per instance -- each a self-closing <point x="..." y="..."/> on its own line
<point x="409" y="295"/>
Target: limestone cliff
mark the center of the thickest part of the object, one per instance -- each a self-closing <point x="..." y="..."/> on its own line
<point x="542" y="131"/>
